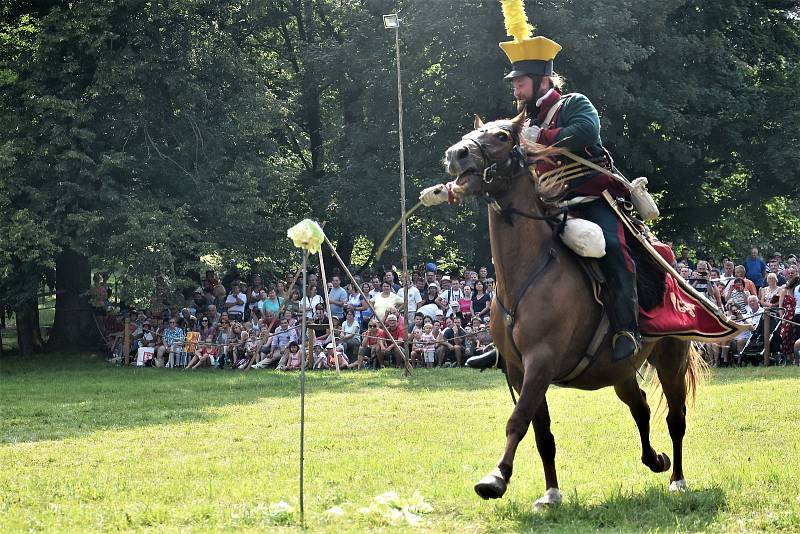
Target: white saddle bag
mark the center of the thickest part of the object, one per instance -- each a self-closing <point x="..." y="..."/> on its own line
<point x="584" y="238"/>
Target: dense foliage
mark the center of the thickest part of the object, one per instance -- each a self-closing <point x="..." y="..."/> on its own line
<point x="146" y="135"/>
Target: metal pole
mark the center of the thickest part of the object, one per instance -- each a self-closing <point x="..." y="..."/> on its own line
<point x="303" y="385"/>
<point x="402" y="186"/>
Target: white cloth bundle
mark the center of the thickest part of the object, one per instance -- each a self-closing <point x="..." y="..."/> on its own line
<point x="583" y="237"/>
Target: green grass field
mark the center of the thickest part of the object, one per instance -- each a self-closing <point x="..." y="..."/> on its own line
<point x="86" y="446"/>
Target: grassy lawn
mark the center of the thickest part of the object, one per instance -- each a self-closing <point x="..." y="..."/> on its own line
<point x="86" y="446"/>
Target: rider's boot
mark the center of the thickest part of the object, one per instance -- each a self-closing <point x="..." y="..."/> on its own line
<point x="487" y="360"/>
<point x="625" y="317"/>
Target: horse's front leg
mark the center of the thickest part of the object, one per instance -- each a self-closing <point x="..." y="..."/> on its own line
<point x="546" y="445"/>
<point x="531" y="396"/>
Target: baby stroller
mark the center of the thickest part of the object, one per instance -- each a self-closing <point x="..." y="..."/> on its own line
<point x="753" y="351"/>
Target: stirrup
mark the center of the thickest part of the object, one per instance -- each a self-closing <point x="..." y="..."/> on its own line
<point x="481" y="361"/>
<point x="626" y="337"/>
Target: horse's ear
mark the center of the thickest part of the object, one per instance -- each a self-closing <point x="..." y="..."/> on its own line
<point x="519" y="120"/>
<point x="478" y="123"/>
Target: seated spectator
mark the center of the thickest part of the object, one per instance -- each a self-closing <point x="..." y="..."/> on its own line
<point x="366" y="312"/>
<point x="172" y="341"/>
<point x="294" y="359"/>
<point x="385" y="345"/>
<point x="276" y="352"/>
<point x="213" y="315"/>
<point x="206" y="351"/>
<point x="701" y="282"/>
<point x="335" y="353"/>
<point x="419" y="317"/>
<point x="454" y="337"/>
<point x="368" y="351"/>
<point x="270" y="302"/>
<point x="351" y="337"/>
<point x="773" y="267"/>
<point x="224" y="339"/>
<point x="787" y="300"/>
<point x="470" y="343"/>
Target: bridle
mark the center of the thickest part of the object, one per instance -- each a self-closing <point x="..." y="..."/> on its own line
<point x="506" y="171"/>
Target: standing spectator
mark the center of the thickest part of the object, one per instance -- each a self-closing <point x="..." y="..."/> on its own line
<point x="481" y="301"/>
<point x="213" y="315"/>
<point x="450" y="296"/>
<point x="337" y="297"/>
<point x="187" y="321"/>
<point x="293" y="305"/>
<point x="390" y="277"/>
<point x="428" y="342"/>
<point x="355" y="303"/>
<point x="737" y="297"/>
<point x="271" y="302"/>
<point x="684" y="259"/>
<point x="701" y="283"/>
<point x="236" y="302"/>
<point x="280" y="290"/>
<point x="366" y="311"/>
<point x="787" y="300"/>
<point x="414" y="299"/>
<point x="386" y="299"/>
<point x="253" y="292"/>
<point x="773" y="266"/>
<point x="311" y="300"/>
<point x="98" y="296"/>
<point x="768" y="296"/>
<point x="755" y="268"/>
<point x="739" y="272"/>
<point x="465" y="304"/>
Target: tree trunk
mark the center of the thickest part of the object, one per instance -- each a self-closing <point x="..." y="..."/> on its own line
<point x="29" y="337"/>
<point x="74" y="324"/>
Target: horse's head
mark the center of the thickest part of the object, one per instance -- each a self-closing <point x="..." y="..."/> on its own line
<point x="487" y="158"/>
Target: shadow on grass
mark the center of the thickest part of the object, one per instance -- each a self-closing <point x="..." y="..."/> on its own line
<point x="58" y="396"/>
<point x="654" y="510"/>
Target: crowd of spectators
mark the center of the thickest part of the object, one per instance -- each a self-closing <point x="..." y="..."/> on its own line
<point x="247" y="324"/>
<point x="762" y="294"/>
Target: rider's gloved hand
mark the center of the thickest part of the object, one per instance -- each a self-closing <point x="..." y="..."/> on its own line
<point x="434" y="195"/>
<point x="531" y="134"/>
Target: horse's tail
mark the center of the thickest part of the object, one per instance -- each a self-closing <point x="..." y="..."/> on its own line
<point x="697" y="371"/>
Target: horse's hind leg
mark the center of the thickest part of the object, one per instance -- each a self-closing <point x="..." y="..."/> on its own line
<point x="630" y="393"/>
<point x="534" y="386"/>
<point x="672" y="370"/>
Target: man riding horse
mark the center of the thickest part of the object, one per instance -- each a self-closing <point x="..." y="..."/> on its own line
<point x="570" y="121"/>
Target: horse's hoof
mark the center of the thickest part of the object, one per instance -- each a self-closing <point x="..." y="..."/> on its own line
<point x="551" y="497"/>
<point x="665" y="460"/>
<point x="491" y="487"/>
<point x="678" y="485"/>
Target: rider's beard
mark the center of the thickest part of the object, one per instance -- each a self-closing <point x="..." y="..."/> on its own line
<point x="530" y="104"/>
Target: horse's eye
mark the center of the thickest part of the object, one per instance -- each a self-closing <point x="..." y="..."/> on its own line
<point x="502" y="136"/>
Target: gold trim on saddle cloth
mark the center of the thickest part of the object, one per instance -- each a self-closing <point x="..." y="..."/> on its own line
<point x="731" y="329"/>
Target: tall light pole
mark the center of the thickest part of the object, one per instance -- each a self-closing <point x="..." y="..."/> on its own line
<point x="393" y="21"/>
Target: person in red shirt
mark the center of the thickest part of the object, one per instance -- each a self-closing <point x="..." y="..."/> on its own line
<point x="385" y="345"/>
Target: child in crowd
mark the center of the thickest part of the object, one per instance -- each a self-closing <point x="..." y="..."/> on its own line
<point x="428" y="340"/>
<point x="293" y="362"/>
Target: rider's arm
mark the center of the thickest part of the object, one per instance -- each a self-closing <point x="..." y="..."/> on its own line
<point x="581" y="125"/>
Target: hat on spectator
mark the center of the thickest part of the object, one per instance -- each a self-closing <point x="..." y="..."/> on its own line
<point x="430" y="267"/>
<point x="199" y="290"/>
<point x="433" y="284"/>
<point x="439" y="312"/>
<point x="445" y="277"/>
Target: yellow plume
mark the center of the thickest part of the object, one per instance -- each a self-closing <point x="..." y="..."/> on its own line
<point x="517" y="25"/>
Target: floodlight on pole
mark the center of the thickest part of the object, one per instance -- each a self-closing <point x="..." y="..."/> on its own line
<point x="392" y="21"/>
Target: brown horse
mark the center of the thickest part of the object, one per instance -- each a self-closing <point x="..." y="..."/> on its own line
<point x="542" y="347"/>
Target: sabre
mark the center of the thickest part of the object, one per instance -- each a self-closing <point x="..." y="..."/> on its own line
<point x="394" y="229"/>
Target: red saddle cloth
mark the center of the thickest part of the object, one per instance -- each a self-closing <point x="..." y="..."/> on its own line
<point x="683" y="312"/>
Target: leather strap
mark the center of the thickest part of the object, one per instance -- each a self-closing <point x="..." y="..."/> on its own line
<point x="591" y="352"/>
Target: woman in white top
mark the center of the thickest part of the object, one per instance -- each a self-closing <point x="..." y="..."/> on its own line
<point x="351" y="337"/>
<point x="311" y="300"/>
